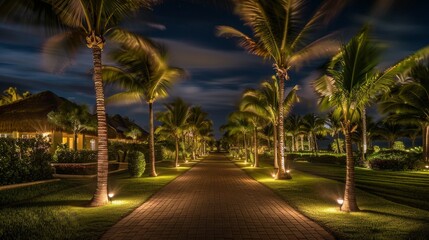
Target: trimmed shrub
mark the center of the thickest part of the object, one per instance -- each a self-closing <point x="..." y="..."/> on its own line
<point x="396" y="160"/>
<point x="82" y="169"/>
<point x="70" y="156"/>
<point x="398" y="145"/>
<point x="24" y="160"/>
<point x="136" y="163"/>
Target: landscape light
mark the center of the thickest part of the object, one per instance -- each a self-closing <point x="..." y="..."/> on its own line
<point x="273" y="175"/>
<point x="427" y="166"/>
<point x="340" y="202"/>
<point x="288" y="171"/>
<point x="110" y="195"/>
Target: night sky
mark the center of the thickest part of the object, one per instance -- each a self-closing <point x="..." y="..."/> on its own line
<point x="218" y="70"/>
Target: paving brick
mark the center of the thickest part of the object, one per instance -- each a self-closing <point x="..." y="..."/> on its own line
<point x="215" y="200"/>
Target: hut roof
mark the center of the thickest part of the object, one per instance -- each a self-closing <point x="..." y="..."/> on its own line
<point x="123" y="125"/>
<point x="30" y="114"/>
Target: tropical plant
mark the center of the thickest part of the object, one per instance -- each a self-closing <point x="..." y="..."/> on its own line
<point x="404" y="107"/>
<point x="143" y="75"/>
<point x="238" y="124"/>
<point x="351" y="84"/>
<point x="73" y="118"/>
<point x="293" y="126"/>
<point x="84" y="21"/>
<point x="280" y="34"/>
<point x="174" y="122"/>
<point x="313" y="125"/>
<point x="133" y="133"/>
<point x="264" y="102"/>
<point x="388" y="131"/>
<point x="11" y="95"/>
<point x="198" y="123"/>
<point x="334" y="127"/>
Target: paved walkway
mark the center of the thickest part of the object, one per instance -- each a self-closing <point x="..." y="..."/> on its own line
<point x="215" y="200"/>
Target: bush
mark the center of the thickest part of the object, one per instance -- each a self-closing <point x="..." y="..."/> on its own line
<point x="24" y="160"/>
<point x="70" y="156"/>
<point x="394" y="160"/>
<point x="82" y="169"/>
<point x="136" y="163"/>
<point x="398" y="145"/>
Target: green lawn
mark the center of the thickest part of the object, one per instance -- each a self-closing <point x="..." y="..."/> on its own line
<point x="410" y="188"/>
<point x="315" y="197"/>
<point x="58" y="210"/>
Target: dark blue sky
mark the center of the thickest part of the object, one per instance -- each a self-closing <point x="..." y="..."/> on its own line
<point x="219" y="71"/>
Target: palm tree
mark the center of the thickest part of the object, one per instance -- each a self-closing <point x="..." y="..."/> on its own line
<point x="11" y="95"/>
<point x="197" y="122"/>
<point x="334" y="125"/>
<point x="264" y="102"/>
<point x="280" y="34"/>
<point x="174" y="122"/>
<point x="144" y="76"/>
<point x="293" y="126"/>
<point x="389" y="131"/>
<point x="238" y="124"/>
<point x="313" y="125"/>
<point x="81" y="21"/>
<point x="407" y="108"/>
<point x="73" y="118"/>
<point x="133" y="133"/>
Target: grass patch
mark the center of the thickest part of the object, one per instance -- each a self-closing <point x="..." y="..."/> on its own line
<point x="406" y="187"/>
<point x="315" y="197"/>
<point x="58" y="210"/>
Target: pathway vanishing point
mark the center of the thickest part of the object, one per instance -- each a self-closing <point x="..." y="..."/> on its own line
<point x="215" y="200"/>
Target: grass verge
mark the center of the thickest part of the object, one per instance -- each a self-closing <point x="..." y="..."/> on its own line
<point x="315" y="197"/>
<point x="58" y="210"/>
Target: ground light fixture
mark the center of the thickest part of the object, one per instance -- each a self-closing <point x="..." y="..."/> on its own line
<point x="288" y="171"/>
<point x="111" y="195"/>
<point x="427" y="166"/>
<point x="340" y="202"/>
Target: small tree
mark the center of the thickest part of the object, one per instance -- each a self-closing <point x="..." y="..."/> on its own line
<point x="73" y="118"/>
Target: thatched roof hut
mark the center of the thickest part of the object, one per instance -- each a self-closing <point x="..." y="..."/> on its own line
<point x="30" y="114"/>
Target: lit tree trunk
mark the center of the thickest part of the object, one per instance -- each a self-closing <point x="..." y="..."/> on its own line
<point x="275" y="147"/>
<point x="184" y="148"/>
<point x="75" y="141"/>
<point x="176" y="159"/>
<point x="245" y="147"/>
<point x="426" y="144"/>
<point x="281" y="173"/>
<point x="310" y="143"/>
<point x="194" y="147"/>
<point x="293" y="143"/>
<point x="100" y="196"/>
<point x="151" y="142"/>
<point x="364" y="135"/>
<point x="340" y="149"/>
<point x="302" y="142"/>
<point x="350" y="204"/>
<point x="255" y="146"/>
<point x="316" y="146"/>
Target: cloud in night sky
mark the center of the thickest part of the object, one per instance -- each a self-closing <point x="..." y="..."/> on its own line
<point x="219" y="71"/>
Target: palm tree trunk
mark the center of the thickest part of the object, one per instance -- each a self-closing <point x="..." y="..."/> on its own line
<point x="364" y="135"/>
<point x="184" y="148"/>
<point x="350" y="204"/>
<point x="426" y="144"/>
<point x="245" y="148"/>
<point x="316" y="146"/>
<point x="255" y="146"/>
<point x="151" y="142"/>
<point x="281" y="172"/>
<point x="340" y="150"/>
<point x="293" y="143"/>
<point x="275" y="147"/>
<point x="302" y="142"/>
<point x="176" y="159"/>
<point x="75" y="141"/>
<point x="100" y="196"/>
<point x="194" y="147"/>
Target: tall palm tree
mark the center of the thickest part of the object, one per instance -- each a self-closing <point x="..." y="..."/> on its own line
<point x="313" y="125"/>
<point x="83" y="21"/>
<point x="144" y="76"/>
<point x="174" y="122"/>
<point x="389" y="131"/>
<point x="280" y="34"/>
<point x="334" y="125"/>
<point x="238" y="124"/>
<point x="264" y="102"/>
<point x="293" y="126"/>
<point x="197" y="122"/>
<point x="407" y="108"/>
<point x="352" y="82"/>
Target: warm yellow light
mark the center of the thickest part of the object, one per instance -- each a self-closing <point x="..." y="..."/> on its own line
<point x="288" y="171"/>
<point x="427" y="166"/>
<point x="111" y="195"/>
<point x="273" y="175"/>
<point x="340" y="201"/>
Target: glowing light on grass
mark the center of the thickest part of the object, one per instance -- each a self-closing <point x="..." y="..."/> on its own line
<point x="288" y="171"/>
<point x="273" y="175"/>
<point x="111" y="195"/>
<point x="427" y="166"/>
<point x="340" y="202"/>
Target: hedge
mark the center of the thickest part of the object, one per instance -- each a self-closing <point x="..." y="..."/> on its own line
<point x="24" y="160"/>
<point x="396" y="160"/>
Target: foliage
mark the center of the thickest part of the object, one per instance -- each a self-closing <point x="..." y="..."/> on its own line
<point x="334" y="145"/>
<point x="394" y="160"/>
<point x="398" y="145"/>
<point x="11" y="95"/>
<point x="136" y="163"/>
<point x="321" y="158"/>
<point x="82" y="169"/>
<point x="24" y="160"/>
<point x="376" y="148"/>
<point x="62" y="155"/>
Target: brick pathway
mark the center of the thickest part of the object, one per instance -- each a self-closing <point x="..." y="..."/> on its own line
<point x="215" y="200"/>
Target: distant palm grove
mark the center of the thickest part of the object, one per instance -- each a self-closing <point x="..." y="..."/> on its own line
<point x="262" y="131"/>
